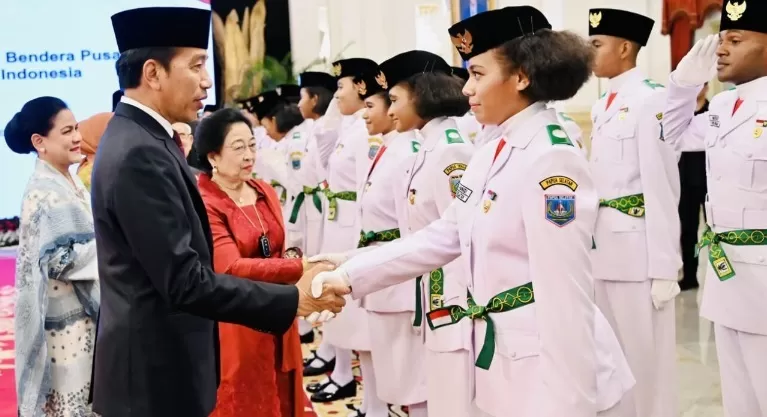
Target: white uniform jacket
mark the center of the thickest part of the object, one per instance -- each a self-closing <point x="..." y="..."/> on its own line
<point x="523" y="218"/>
<point x="736" y="162"/>
<point x="629" y="158"/>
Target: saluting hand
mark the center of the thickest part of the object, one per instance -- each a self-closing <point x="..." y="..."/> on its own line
<point x="699" y="65"/>
<point x="331" y="297"/>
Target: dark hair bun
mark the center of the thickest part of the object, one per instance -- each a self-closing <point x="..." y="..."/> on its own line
<point x="36" y="117"/>
<point x="17" y="137"/>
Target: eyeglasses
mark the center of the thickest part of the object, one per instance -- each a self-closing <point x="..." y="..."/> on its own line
<point x="239" y="148"/>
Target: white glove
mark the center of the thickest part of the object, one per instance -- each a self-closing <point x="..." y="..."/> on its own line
<point x="663" y="291"/>
<point x="699" y="65"/>
<point x="323" y="317"/>
<point x="334" y="258"/>
<point x="336" y="277"/>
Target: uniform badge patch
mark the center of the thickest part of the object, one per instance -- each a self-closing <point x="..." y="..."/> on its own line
<point x="463" y="192"/>
<point x="416" y="146"/>
<point x="659" y="116"/>
<point x="297" y="135"/>
<point x="713" y="120"/>
<point x="411" y="196"/>
<point x="374" y="145"/>
<point x="622" y="112"/>
<point x="295" y="159"/>
<point x="453" y="136"/>
<point x="560" y="209"/>
<point x="558" y="180"/>
<point x="558" y="136"/>
<point x="454" y="173"/>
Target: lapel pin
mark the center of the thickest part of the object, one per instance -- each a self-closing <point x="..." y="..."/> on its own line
<point x="411" y="196"/>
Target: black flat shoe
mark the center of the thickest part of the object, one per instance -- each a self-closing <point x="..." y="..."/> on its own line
<point x="318" y="386"/>
<point x="327" y="366"/>
<point x="347" y="391"/>
<point x="307" y="338"/>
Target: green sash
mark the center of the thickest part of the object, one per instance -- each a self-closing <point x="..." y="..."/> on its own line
<point x="633" y="205"/>
<point x="436" y="292"/>
<point x="283" y="194"/>
<point x="367" y="238"/>
<point x="506" y="301"/>
<point x="300" y="201"/>
<point x="716" y="255"/>
<point x="333" y="198"/>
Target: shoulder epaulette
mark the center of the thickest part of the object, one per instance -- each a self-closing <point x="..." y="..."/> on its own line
<point x="415" y="145"/>
<point x="558" y="136"/>
<point x="652" y="84"/>
<point x="453" y="136"/>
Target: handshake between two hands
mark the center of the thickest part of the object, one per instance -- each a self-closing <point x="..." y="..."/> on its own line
<point x="322" y="288"/>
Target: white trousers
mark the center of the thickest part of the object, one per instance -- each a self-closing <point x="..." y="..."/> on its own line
<point x="743" y="369"/>
<point x="648" y="339"/>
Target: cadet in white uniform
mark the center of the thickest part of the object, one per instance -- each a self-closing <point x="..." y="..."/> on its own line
<point x="347" y="167"/>
<point x="305" y="215"/>
<point x="637" y="259"/>
<point x="394" y="367"/>
<point x="522" y="225"/>
<point x="426" y="103"/>
<point x="733" y="134"/>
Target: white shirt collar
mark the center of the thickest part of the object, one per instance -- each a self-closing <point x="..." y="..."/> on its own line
<point x="616" y="83"/>
<point x="161" y="120"/>
<point x="512" y="122"/>
<point x="753" y="90"/>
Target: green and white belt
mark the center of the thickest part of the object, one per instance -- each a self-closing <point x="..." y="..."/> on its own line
<point x="716" y="255"/>
<point x="368" y="238"/>
<point x="314" y="192"/>
<point x="508" y="300"/>
<point x="436" y="293"/>
<point x="283" y="194"/>
<point x="633" y="205"/>
<point x="333" y="198"/>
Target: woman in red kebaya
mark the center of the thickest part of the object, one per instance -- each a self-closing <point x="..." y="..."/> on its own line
<point x="260" y="373"/>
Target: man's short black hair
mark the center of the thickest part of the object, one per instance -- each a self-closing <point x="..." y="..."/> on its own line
<point x="557" y="63"/>
<point x="324" y="97"/>
<point x="131" y="63"/>
<point x="437" y="95"/>
<point x="211" y="133"/>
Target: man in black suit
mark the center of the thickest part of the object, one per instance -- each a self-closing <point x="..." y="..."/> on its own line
<point x="692" y="176"/>
<point x="157" y="341"/>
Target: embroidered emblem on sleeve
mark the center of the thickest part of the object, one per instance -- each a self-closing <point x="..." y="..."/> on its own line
<point x="463" y="192"/>
<point x="558" y="180"/>
<point x="455" y="173"/>
<point x="560" y="209"/>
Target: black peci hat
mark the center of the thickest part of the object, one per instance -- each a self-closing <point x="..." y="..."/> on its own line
<point x="266" y="102"/>
<point x="161" y="27"/>
<point x="352" y="67"/>
<point x="620" y="23"/>
<point x="403" y="66"/>
<point x="743" y="15"/>
<point x="317" y="79"/>
<point x="487" y="30"/>
<point x="289" y="91"/>
<point x="370" y="83"/>
<point x="461" y="73"/>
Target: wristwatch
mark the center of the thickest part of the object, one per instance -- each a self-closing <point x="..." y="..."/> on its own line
<point x="293" y="253"/>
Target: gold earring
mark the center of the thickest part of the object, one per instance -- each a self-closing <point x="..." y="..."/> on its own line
<point x="215" y="170"/>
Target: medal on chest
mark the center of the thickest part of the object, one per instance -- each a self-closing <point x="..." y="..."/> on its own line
<point x="759" y="129"/>
<point x="490" y="196"/>
<point x="622" y="113"/>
